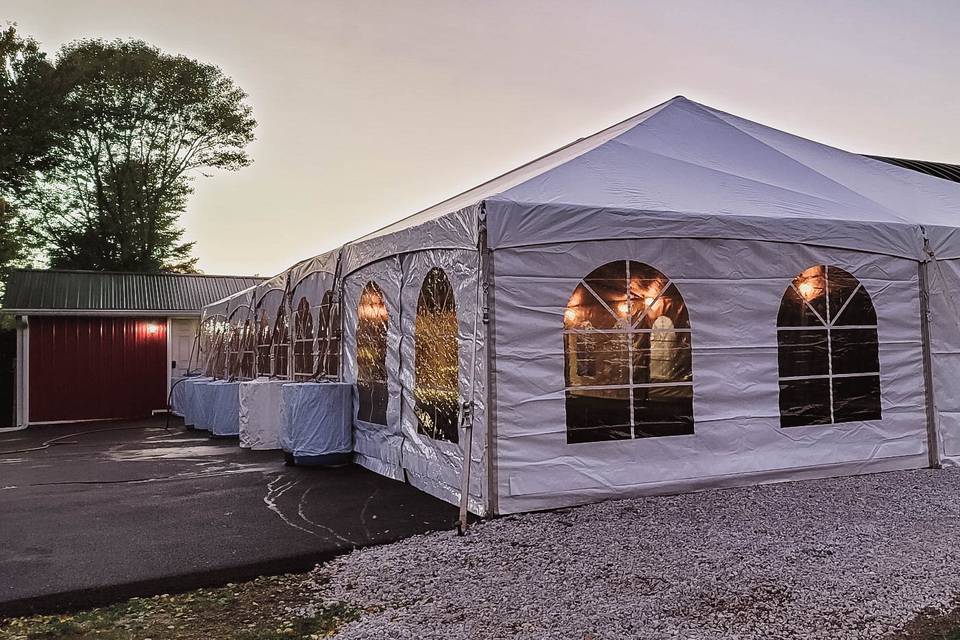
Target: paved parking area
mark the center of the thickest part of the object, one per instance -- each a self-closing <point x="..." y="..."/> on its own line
<point x="93" y="513"/>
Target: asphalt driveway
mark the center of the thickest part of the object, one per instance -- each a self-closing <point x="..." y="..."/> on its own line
<point x="94" y="513"/>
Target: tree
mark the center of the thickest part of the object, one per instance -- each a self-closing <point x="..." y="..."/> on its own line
<point x="13" y="244"/>
<point x="30" y="121"/>
<point x="142" y="124"/>
<point x="30" y="129"/>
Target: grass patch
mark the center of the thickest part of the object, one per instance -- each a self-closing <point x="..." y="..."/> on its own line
<point x="256" y="610"/>
<point x="932" y="625"/>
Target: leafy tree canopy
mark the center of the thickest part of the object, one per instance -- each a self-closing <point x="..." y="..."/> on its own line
<point x="139" y="126"/>
<point x="30" y="122"/>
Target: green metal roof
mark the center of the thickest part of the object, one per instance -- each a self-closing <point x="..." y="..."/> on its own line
<point x="936" y="169"/>
<point x="105" y="292"/>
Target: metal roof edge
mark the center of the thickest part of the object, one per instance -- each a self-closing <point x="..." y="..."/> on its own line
<point x="138" y="313"/>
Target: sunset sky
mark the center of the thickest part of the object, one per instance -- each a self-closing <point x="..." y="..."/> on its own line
<point x="370" y="111"/>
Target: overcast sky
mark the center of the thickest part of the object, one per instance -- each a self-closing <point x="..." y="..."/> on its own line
<point x="370" y="111"/>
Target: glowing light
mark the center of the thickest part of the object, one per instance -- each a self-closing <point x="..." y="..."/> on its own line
<point x="570" y="315"/>
<point x="648" y="302"/>
<point x="153" y="329"/>
<point x="623" y="307"/>
<point x="806" y="289"/>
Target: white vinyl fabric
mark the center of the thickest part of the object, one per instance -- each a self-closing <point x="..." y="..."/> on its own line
<point x="191" y="404"/>
<point x="435" y="465"/>
<point x="944" y="286"/>
<point x="377" y="447"/>
<point x="206" y="404"/>
<point x="177" y="397"/>
<point x="732" y="290"/>
<point x="259" y="418"/>
<point x="317" y="419"/>
<point x="225" y="420"/>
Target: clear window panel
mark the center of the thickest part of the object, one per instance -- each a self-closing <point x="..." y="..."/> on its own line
<point x="372" y="319"/>
<point x="854" y="351"/>
<point x="595" y="415"/>
<point x="856" y="398"/>
<point x="795" y="312"/>
<point x="663" y="411"/>
<point x="858" y="311"/>
<point x="669" y="307"/>
<point x="437" y="359"/>
<point x="803" y="352"/>
<point x="585" y="311"/>
<point x="804" y="402"/>
<point x="812" y="287"/>
<point x="840" y="287"/>
<point x="597" y="359"/>
<point x="662" y="356"/>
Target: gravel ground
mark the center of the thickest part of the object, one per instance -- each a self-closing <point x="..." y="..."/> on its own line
<point x="831" y="559"/>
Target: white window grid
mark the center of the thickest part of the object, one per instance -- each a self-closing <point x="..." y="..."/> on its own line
<point x="299" y="339"/>
<point x="629" y="329"/>
<point x="827" y="325"/>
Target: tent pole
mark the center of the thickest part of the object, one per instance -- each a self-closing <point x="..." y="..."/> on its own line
<point x="466" y="410"/>
<point x="933" y="440"/>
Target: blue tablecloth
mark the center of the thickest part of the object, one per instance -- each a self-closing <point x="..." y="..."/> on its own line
<point x="316" y="422"/>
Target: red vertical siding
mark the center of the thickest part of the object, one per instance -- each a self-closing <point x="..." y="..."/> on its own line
<point x="90" y="368"/>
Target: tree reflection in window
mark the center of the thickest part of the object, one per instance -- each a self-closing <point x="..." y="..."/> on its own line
<point x="216" y="336"/>
<point x="627" y="356"/>
<point x="437" y="363"/>
<point x="208" y="340"/>
<point x="827" y="350"/>
<point x="264" y="343"/>
<point x="372" y="321"/>
<point x="303" y="341"/>
<point x="328" y="336"/>
<point x="246" y="350"/>
<point x="281" y="343"/>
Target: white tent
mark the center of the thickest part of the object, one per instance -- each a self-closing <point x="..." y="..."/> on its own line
<point x="684" y="300"/>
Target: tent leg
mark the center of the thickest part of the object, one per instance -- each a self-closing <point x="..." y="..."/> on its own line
<point x="933" y="439"/>
<point x="466" y="410"/>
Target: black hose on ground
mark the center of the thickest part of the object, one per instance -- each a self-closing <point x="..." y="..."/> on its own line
<point x="58" y="440"/>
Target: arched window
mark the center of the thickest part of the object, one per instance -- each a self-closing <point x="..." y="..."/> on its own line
<point x="247" y="350"/>
<point x="328" y="336"/>
<point x="436" y="345"/>
<point x="264" y="342"/>
<point x="281" y="343"/>
<point x="232" y="348"/>
<point x="372" y="321"/>
<point x="827" y="350"/>
<point x="303" y="341"/>
<point x="627" y="356"/>
<point x="208" y="341"/>
<point x="217" y="330"/>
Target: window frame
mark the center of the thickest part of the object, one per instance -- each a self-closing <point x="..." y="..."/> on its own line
<point x="438" y="435"/>
<point x="262" y="347"/>
<point x="328" y="336"/>
<point x="629" y="330"/>
<point x="369" y="387"/>
<point x="280" y="347"/>
<point x="304" y="358"/>
<point x="827" y="326"/>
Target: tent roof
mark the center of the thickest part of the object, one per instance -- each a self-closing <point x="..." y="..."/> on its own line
<point x="682" y="163"/>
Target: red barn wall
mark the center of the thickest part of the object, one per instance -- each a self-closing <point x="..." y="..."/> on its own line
<point x="85" y="368"/>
